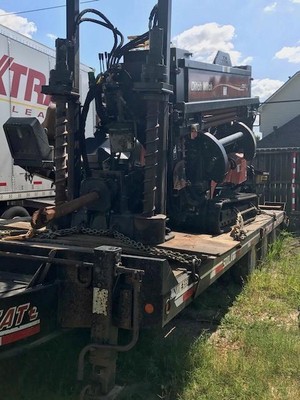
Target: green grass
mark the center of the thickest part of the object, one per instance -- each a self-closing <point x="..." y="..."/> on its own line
<point x="255" y="354"/>
<point x="233" y="342"/>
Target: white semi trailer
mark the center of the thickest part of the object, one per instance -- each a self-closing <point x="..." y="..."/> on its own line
<point x="24" y="67"/>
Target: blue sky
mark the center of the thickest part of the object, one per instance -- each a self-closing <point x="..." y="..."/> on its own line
<point x="262" y="33"/>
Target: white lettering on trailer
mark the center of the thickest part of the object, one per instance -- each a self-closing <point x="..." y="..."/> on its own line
<point x="178" y="289"/>
<point x="185" y="294"/>
<point x="12" y="326"/>
<point x="183" y="291"/>
<point x="31" y="91"/>
<point x="20" y="109"/>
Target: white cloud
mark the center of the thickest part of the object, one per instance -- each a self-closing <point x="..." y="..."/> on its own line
<point x="264" y="88"/>
<point x="295" y="1"/>
<point x="205" y="40"/>
<point x="17" y="23"/>
<point x="291" y="54"/>
<point x="51" y="36"/>
<point x="246" y="61"/>
<point x="271" y="7"/>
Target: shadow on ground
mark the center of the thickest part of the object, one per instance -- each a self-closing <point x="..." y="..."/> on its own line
<point x="160" y="361"/>
<point x="155" y="369"/>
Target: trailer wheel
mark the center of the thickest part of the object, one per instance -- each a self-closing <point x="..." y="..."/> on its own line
<point x="15" y="212"/>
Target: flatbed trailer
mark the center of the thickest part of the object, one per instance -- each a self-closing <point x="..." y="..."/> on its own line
<point x="148" y="213"/>
<point x="52" y="282"/>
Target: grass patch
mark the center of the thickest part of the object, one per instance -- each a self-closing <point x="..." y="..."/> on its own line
<point x="261" y="363"/>
<point x="255" y="354"/>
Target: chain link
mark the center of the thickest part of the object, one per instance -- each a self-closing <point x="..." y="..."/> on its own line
<point x="183" y="258"/>
<point x="6" y="233"/>
<point x="12" y="233"/>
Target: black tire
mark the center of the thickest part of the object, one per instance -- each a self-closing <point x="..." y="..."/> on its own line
<point x="14" y="212"/>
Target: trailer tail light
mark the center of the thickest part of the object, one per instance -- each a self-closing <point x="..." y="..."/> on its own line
<point x="149" y="308"/>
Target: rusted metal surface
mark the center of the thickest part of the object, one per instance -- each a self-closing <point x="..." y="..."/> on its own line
<point x="14" y="224"/>
<point x="75" y="297"/>
<point x="200" y="244"/>
<point x="43" y="216"/>
<point x="104" y="334"/>
<point x="208" y="245"/>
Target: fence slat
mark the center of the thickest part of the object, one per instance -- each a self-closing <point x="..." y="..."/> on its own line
<point x="283" y="184"/>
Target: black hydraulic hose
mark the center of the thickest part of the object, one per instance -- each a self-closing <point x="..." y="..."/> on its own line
<point x="93" y="11"/>
<point x="108" y="25"/>
<point x="121" y="50"/>
<point x="118" y="50"/>
<point x="153" y="19"/>
<point x="83" y="117"/>
<point x="115" y="33"/>
<point x="132" y="44"/>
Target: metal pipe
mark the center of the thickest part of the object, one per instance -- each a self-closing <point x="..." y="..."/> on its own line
<point x="73" y="103"/>
<point x="32" y="257"/>
<point x="164" y="22"/>
<point x="73" y="36"/>
<point x="228" y="140"/>
<point x="43" y="216"/>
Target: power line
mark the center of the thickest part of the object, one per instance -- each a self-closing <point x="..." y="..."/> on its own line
<point x="42" y="9"/>
<point x="266" y="102"/>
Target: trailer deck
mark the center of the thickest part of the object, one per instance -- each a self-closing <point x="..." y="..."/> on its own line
<point x="217" y="253"/>
<point x="48" y="285"/>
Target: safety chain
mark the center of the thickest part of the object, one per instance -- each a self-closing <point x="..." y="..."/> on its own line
<point x="186" y="259"/>
<point x="6" y="233"/>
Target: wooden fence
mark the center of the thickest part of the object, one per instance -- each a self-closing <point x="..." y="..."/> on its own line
<point x="283" y="183"/>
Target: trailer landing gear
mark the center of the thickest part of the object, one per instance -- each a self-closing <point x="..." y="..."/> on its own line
<point x="102" y="352"/>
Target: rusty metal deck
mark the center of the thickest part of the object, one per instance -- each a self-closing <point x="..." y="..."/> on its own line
<point x="208" y="244"/>
<point x="199" y="244"/>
